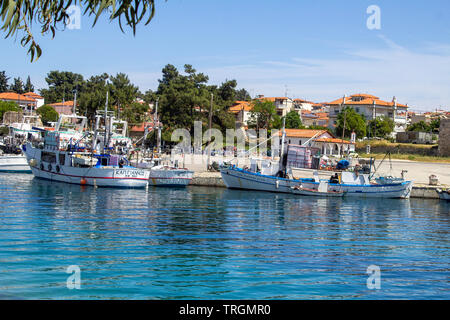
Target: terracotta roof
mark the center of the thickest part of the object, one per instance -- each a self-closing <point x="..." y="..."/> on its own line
<point x="334" y="140"/>
<point x="303" y="133"/>
<point x="273" y="99"/>
<point x="15" y="96"/>
<point x="303" y="101"/>
<point x="61" y="104"/>
<point x="367" y="100"/>
<point x="33" y="95"/>
<point x="141" y="127"/>
<point x="238" y="106"/>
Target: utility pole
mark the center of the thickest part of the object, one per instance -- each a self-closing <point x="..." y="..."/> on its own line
<point x="209" y="131"/>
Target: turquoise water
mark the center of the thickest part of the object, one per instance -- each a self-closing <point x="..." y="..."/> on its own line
<point x="212" y="243"/>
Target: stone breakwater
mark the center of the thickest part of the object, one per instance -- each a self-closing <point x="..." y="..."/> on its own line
<point x="213" y="179"/>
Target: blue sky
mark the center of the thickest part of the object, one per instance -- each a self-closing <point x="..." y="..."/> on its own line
<point x="317" y="50"/>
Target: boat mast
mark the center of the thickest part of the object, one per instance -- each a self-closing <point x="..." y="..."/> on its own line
<point x="106" y="116"/>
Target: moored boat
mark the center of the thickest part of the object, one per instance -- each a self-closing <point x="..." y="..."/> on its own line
<point x="59" y="160"/>
<point x="444" y="194"/>
<point x="167" y="176"/>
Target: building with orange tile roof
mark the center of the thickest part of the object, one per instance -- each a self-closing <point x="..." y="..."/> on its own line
<point x="370" y="107"/>
<point x="322" y="139"/>
<point x="283" y="104"/>
<point x="66" y="107"/>
<point x="39" y="99"/>
<point x="29" y="105"/>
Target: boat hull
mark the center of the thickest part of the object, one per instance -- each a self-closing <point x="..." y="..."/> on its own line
<point x="236" y="178"/>
<point x="14" y="163"/>
<point x="125" y="177"/>
<point x="444" y="195"/>
<point x="170" y="178"/>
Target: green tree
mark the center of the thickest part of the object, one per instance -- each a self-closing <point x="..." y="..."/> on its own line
<point x="61" y="85"/>
<point x="48" y="114"/>
<point x="49" y="15"/>
<point x="29" y="86"/>
<point x="263" y="115"/>
<point x="3" y="81"/>
<point x="352" y="121"/>
<point x="93" y="96"/>
<point x="123" y="92"/>
<point x="435" y="125"/>
<point x="293" y="120"/>
<point x="242" y="95"/>
<point x="8" y="106"/>
<point x="17" y="86"/>
<point x="420" y="126"/>
<point x="380" y="127"/>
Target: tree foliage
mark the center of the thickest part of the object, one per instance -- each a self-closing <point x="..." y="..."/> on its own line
<point x="352" y="121"/>
<point x="29" y="86"/>
<point x="380" y="127"/>
<point x="17" y="86"/>
<point x="3" y="81"/>
<point x="185" y="98"/>
<point x="19" y="16"/>
<point x="293" y="120"/>
<point x="422" y="126"/>
<point x="61" y="85"/>
<point x="8" y="106"/>
<point x="264" y="115"/>
<point x="48" y="114"/>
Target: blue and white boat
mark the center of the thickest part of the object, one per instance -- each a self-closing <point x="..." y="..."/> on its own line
<point x="271" y="176"/>
<point x="351" y="183"/>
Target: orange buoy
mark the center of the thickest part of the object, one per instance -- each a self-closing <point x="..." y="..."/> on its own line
<point x="83" y="181"/>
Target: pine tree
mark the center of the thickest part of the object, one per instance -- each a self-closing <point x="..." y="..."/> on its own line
<point x="3" y="81"/>
<point x="29" y="86"/>
<point x="17" y="86"/>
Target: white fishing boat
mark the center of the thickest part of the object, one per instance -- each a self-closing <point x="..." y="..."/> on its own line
<point x="444" y="194"/>
<point x="60" y="160"/>
<point x="167" y="176"/>
<point x="273" y="177"/>
<point x="14" y="163"/>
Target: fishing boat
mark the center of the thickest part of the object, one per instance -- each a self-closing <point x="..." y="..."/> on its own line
<point x="168" y="176"/>
<point x="272" y="176"/>
<point x="77" y="162"/>
<point x="444" y="194"/>
<point x="14" y="163"/>
<point x="323" y="190"/>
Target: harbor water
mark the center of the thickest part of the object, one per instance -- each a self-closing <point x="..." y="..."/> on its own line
<point x="214" y="243"/>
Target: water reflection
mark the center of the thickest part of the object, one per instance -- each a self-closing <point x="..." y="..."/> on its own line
<point x="214" y="243"/>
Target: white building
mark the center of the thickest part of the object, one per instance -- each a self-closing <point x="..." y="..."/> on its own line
<point x="29" y="105"/>
<point x="35" y="96"/>
<point x="322" y="139"/>
<point x="371" y="107"/>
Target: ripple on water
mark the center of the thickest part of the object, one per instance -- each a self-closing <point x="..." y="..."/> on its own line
<point x="207" y="243"/>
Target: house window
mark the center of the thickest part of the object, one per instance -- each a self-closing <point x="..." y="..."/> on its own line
<point x="357" y="110"/>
